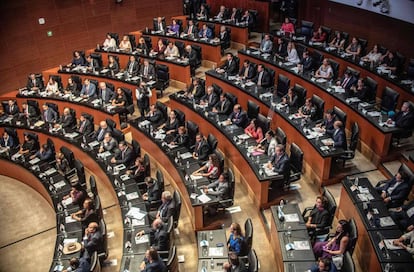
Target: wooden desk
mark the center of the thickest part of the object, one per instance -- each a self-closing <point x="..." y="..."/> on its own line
<point x="177" y="72"/>
<point x="239" y="34"/>
<point x="211" y="52"/>
<point x="318" y="166"/>
<point x="376" y="142"/>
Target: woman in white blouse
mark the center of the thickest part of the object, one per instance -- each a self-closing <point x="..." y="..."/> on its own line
<point x="373" y="56"/>
<point x="292" y="53"/>
<point x="325" y="71"/>
<point x="109" y="42"/>
<point x="125" y="44"/>
<point x="52" y="86"/>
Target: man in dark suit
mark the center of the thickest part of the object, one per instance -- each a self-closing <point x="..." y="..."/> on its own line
<point x="88" y="89"/>
<point x="160" y="25"/>
<point x="85" y="125"/>
<point x="328" y="122"/>
<point x="201" y="148"/>
<point x="28" y="111"/>
<point x="403" y="216"/>
<point x="93" y="240"/>
<point x="11" y="108"/>
<point x="147" y="71"/>
<point x="238" y="116"/>
<point x="223" y="13"/>
<point x="359" y="90"/>
<point x="49" y="115"/>
<point x="195" y="91"/>
<point x="105" y="93"/>
<point x="167" y="208"/>
<point x="247" y="71"/>
<point x="223" y="106"/>
<point x="108" y="144"/>
<point x="91" y="63"/>
<point x="152" y="262"/>
<point x="100" y="133"/>
<point x="126" y="155"/>
<point x="159" y="239"/>
<point x="405" y="117"/>
<point x="247" y="18"/>
<point x="67" y="121"/>
<point x="7" y="141"/>
<point x="230" y="65"/>
<point x="224" y="36"/>
<point x="182" y="138"/>
<point x="338" y="136"/>
<point x="142" y="93"/>
<point x="205" y="32"/>
<point x="154" y="116"/>
<point x="191" y="28"/>
<point x="235" y="15"/>
<point x="280" y="160"/>
<point x="262" y="78"/>
<point x="395" y="191"/>
<point x="45" y="153"/>
<point x="210" y="98"/>
<point x="347" y="81"/>
<point x="191" y="55"/>
<point x="132" y="66"/>
<point x="34" y="83"/>
<point x="153" y="192"/>
<point x="306" y="62"/>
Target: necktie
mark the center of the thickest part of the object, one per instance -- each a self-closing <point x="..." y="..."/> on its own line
<point x="190" y="30"/>
<point x="246" y="71"/>
<point x="100" y="135"/>
<point x="104" y="95"/>
<point x="259" y="80"/>
<point x="145" y="70"/>
<point x="82" y="127"/>
<point x="222" y="106"/>
<point x="45" y="115"/>
<point x="209" y="99"/>
<point x="345" y="82"/>
<point x="160" y="27"/>
<point x="131" y="65"/>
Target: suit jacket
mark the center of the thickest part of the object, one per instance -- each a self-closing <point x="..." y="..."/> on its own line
<point x="37" y="83"/>
<point x="247" y="19"/>
<point x="266" y="46"/>
<point x="150" y="73"/>
<point x="67" y="121"/>
<point x="211" y="99"/>
<point x="208" y="33"/>
<point x="329" y="125"/>
<point x="7" y="143"/>
<point x="362" y="94"/>
<point x="49" y="115"/>
<point x="224" y="37"/>
<point x="109" y="94"/>
<point x="404" y="121"/>
<point x="307" y="63"/>
<point x="132" y="68"/>
<point x="281" y="166"/>
<point x="155" y="118"/>
<point x="251" y="72"/>
<point x="100" y="133"/>
<point x="126" y="157"/>
<point x="235" y="16"/>
<point x="182" y="140"/>
<point x="167" y="210"/>
<point x="31" y="111"/>
<point x="281" y="50"/>
<point x="156" y="266"/>
<point x="398" y="195"/>
<point x="93" y="64"/>
<point x="198" y="93"/>
<point x="159" y="239"/>
<point x="240" y="119"/>
<point x="94" y="242"/>
<point x="339" y="139"/>
<point x="142" y="95"/>
<point x="202" y="150"/>
<point x="45" y="155"/>
<point x="154" y="192"/>
<point x="109" y="146"/>
<point x="9" y="111"/>
<point x="352" y="81"/>
<point x="85" y="127"/>
<point x="91" y="92"/>
<point x="114" y="69"/>
<point x="265" y="80"/>
<point x="224" y="107"/>
<point x="193" y="31"/>
<point x="230" y="67"/>
<point x="192" y="57"/>
<point x="157" y="27"/>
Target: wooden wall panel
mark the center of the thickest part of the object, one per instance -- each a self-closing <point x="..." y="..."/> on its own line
<point x="76" y="25"/>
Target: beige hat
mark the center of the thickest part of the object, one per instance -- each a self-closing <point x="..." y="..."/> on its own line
<point x="71" y="248"/>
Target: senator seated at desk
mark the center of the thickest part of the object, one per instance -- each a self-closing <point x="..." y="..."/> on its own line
<point x="247" y="71"/>
<point x="158" y="236"/>
<point x="87" y="214"/>
<point x="167" y="208"/>
<point x="395" y="191"/>
<point x="279" y="163"/>
<point x="238" y="117"/>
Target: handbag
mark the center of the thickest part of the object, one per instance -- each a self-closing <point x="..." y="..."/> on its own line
<point x="338" y="261"/>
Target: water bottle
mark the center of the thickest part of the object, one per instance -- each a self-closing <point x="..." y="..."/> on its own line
<point x="225" y="75"/>
<point x="256" y="89"/>
<point x="289" y="231"/>
<point x="257" y="160"/>
<point x="187" y="164"/>
<point x="302" y="122"/>
<point x="212" y="263"/>
<point x="281" y="204"/>
<point x="123" y="187"/>
<point x="380" y="120"/>
<point x="287" y="109"/>
<point x="387" y="267"/>
<point x="178" y="155"/>
<point x="65" y="234"/>
<point x="246" y="144"/>
<point x="356" y="181"/>
<point x="211" y="236"/>
<point x="217" y="118"/>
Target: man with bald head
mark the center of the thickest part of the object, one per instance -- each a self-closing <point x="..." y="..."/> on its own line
<point x="158" y="235"/>
<point x="67" y="121"/>
<point x="100" y="133"/>
<point x="338" y="136"/>
<point x="105" y="93"/>
<point x="92" y="240"/>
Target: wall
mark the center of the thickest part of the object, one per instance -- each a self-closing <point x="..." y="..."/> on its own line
<point x="393" y="34"/>
<point x="76" y="24"/>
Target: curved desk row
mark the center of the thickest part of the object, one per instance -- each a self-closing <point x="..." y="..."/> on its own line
<point x="178" y="70"/>
<point x="377" y="139"/>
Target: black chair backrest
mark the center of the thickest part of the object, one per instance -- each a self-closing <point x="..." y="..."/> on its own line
<point x="319" y="104"/>
<point x="340" y="114"/>
<point x="116" y="58"/>
<point x="372" y="86"/>
<point x="13" y="134"/>
<point x="94" y="262"/>
<point x="252" y="109"/>
<point x="172" y="261"/>
<point x="89" y="117"/>
<point x="180" y="116"/>
<point x="98" y="58"/>
<point x="217" y="89"/>
<point x="232" y="98"/>
<point x="389" y="99"/>
<point x="345" y="36"/>
<point x="307" y="28"/>
<point x="272" y="74"/>
<point x="280" y="136"/>
<point x="128" y="95"/>
<point x="148" y="41"/>
<point x="283" y="83"/>
<point x="68" y="155"/>
<point x="118" y="135"/>
<point x="180" y="45"/>
<point x="35" y="105"/>
<point x="53" y="106"/>
<point x="328" y="32"/>
<point x="177" y="201"/>
<point x="147" y="165"/>
<point x="58" y="79"/>
<point x="408" y="172"/>
<point x="354" y="137"/>
<point x="363" y="43"/>
<point x="220" y="158"/>
<point x="80" y="171"/>
<point x="192" y="130"/>
<point x="296" y="158"/>
<point x="331" y="205"/>
<point x="354" y="72"/>
<point x="348" y="263"/>
<point x="353" y="236"/>
<point x="335" y="68"/>
<point x="111" y="123"/>
<point x="92" y="185"/>
<point x="300" y="48"/>
<point x="248" y="234"/>
<point x="115" y="36"/>
<point x="136" y="147"/>
<point x="160" y="179"/>
<point x="163" y="108"/>
<point x="132" y="41"/>
<point x="51" y="145"/>
<point x="300" y="93"/>
<point x="253" y="261"/>
<point x="197" y="48"/>
<point x="263" y="122"/>
<point x="317" y="58"/>
<point x="232" y="182"/>
<point x="212" y="141"/>
<point x="401" y="61"/>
